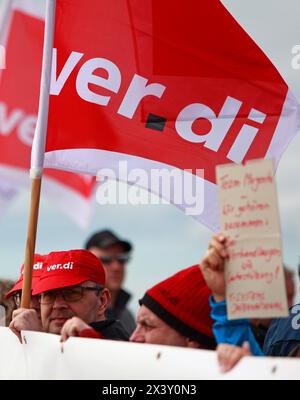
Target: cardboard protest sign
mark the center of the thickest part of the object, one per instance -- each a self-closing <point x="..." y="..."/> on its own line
<point x="254" y="275"/>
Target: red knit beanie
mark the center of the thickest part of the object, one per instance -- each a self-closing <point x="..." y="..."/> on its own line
<point x="182" y="301"/>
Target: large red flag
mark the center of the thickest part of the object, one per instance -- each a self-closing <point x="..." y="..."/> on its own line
<point x="19" y="93"/>
<point x="161" y="84"/>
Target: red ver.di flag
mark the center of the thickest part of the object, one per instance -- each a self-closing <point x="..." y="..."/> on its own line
<point x="160" y="84"/>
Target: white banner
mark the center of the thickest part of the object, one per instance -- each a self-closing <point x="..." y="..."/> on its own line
<point x="42" y="356"/>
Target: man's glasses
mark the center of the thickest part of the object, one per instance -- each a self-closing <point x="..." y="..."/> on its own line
<point x="68" y="294"/>
<point x="121" y="258"/>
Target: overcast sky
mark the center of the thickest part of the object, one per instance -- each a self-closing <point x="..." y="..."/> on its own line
<point x="165" y="239"/>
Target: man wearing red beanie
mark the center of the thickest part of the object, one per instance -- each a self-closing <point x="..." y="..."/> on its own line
<point x="176" y="312"/>
<point x="71" y="290"/>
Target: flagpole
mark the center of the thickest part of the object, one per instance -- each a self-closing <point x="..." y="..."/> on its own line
<point x="38" y="152"/>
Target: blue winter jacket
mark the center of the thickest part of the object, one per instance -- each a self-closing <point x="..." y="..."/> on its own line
<point x="234" y="332"/>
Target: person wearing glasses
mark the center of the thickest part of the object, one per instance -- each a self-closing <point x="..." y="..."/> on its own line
<point x="114" y="254"/>
<point x="16" y="291"/>
<point x="71" y="291"/>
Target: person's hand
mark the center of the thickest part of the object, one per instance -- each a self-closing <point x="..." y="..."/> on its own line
<point x="73" y="327"/>
<point x="229" y="355"/>
<point x="25" y="320"/>
<point x="212" y="266"/>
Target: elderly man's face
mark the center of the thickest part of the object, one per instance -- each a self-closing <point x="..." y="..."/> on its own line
<point x="152" y="330"/>
<point x="113" y="264"/>
<point x="90" y="307"/>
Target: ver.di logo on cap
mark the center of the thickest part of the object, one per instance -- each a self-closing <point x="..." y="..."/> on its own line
<point x="54" y="267"/>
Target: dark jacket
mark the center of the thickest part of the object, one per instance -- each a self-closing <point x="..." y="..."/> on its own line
<point x="284" y="334"/>
<point x="121" y="312"/>
<point x="109" y="329"/>
<point x="260" y="333"/>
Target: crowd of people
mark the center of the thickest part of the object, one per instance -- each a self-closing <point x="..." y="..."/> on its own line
<point x="80" y="293"/>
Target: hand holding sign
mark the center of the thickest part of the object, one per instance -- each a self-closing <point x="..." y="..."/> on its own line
<point x="212" y="266"/>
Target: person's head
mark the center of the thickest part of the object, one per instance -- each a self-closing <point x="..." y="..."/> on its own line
<point x="71" y="285"/>
<point x="6" y="303"/>
<point x="176" y="312"/>
<point x="290" y="294"/>
<point x="114" y="254"/>
<point x="16" y="292"/>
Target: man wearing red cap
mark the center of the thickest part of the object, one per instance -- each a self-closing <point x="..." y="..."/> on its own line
<point x="176" y="312"/>
<point x="71" y="289"/>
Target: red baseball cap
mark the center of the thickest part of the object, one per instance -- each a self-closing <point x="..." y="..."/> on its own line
<point x="36" y="273"/>
<point x="69" y="268"/>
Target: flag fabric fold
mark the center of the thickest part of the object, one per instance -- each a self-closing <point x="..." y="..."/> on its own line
<point x="162" y="84"/>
